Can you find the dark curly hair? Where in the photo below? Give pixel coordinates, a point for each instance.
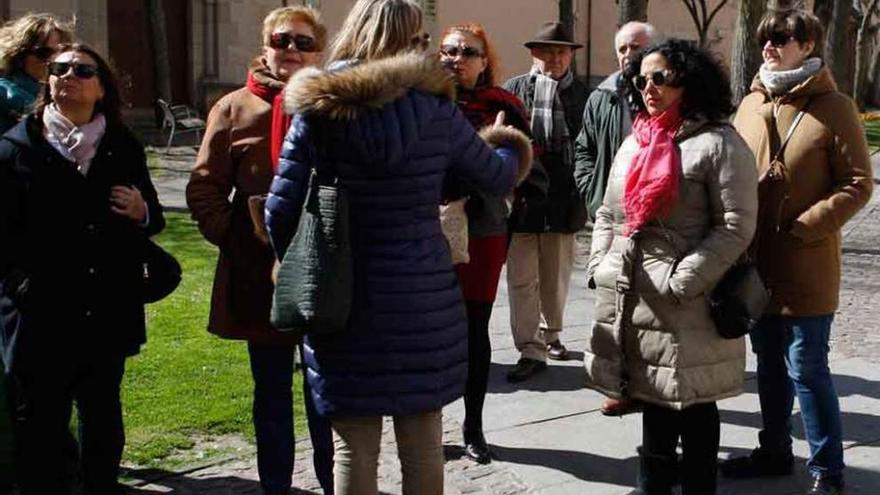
(706, 84)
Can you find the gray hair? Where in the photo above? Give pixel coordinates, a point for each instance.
(649, 30)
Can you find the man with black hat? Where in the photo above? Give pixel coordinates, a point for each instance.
(541, 251)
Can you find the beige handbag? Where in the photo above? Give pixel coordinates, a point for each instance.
(454, 223)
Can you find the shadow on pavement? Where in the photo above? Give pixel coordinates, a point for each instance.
(556, 378)
(582, 465)
(857, 427)
(157, 481)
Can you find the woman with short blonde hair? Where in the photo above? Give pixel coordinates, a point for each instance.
(26, 44)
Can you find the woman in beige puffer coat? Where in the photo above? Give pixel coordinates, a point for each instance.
(653, 339)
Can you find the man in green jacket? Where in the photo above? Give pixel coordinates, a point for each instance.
(606, 120)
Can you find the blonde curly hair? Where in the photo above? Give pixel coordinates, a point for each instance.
(19, 36)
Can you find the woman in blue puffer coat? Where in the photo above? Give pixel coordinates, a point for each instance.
(384, 119)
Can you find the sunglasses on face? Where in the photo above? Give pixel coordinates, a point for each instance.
(663, 77)
(82, 71)
(777, 38)
(283, 41)
(452, 51)
(421, 41)
(42, 52)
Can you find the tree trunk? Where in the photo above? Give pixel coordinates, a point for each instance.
(631, 10)
(837, 56)
(822, 9)
(745, 58)
(864, 46)
(159, 41)
(566, 17)
(873, 97)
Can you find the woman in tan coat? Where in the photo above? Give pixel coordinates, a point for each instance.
(821, 178)
(679, 210)
(238, 156)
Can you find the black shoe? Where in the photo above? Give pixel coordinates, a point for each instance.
(556, 351)
(758, 464)
(525, 368)
(476, 448)
(826, 485)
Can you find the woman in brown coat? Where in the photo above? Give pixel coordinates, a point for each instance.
(238, 156)
(808, 191)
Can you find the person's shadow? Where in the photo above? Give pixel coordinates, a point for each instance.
(168, 482)
(556, 379)
(582, 465)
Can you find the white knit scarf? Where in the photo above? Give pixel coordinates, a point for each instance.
(779, 82)
(77, 144)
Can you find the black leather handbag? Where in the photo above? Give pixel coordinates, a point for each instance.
(162, 272)
(313, 291)
(739, 300)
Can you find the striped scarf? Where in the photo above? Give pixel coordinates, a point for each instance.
(549, 127)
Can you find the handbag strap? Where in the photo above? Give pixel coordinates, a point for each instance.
(791, 128)
(627, 301)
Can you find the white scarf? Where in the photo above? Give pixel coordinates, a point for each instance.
(77, 144)
(779, 82)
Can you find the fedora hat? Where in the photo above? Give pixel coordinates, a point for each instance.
(552, 33)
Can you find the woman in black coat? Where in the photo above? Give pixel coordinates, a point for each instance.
(76, 208)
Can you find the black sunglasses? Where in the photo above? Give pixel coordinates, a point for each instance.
(82, 71)
(42, 52)
(283, 41)
(452, 51)
(777, 38)
(421, 41)
(663, 77)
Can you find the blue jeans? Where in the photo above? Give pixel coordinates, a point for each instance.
(793, 358)
(272, 370)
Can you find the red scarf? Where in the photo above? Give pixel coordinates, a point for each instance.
(262, 83)
(651, 189)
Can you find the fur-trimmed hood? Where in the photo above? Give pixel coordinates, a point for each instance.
(367, 86)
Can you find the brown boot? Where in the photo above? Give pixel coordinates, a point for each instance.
(620, 407)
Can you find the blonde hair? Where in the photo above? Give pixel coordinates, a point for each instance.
(285, 15)
(376, 29)
(19, 36)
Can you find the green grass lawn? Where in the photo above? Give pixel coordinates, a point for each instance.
(186, 385)
(872, 132)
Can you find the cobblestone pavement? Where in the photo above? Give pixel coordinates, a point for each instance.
(238, 475)
(856, 332)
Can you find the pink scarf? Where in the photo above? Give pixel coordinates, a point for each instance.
(651, 189)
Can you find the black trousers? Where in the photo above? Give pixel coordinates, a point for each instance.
(48, 458)
(699, 428)
(479, 360)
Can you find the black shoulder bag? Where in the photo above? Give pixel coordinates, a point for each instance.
(161, 272)
(740, 298)
(313, 290)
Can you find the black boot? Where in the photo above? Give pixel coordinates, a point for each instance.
(657, 474)
(476, 448)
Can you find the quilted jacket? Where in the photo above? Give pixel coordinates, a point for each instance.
(391, 131)
(671, 353)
